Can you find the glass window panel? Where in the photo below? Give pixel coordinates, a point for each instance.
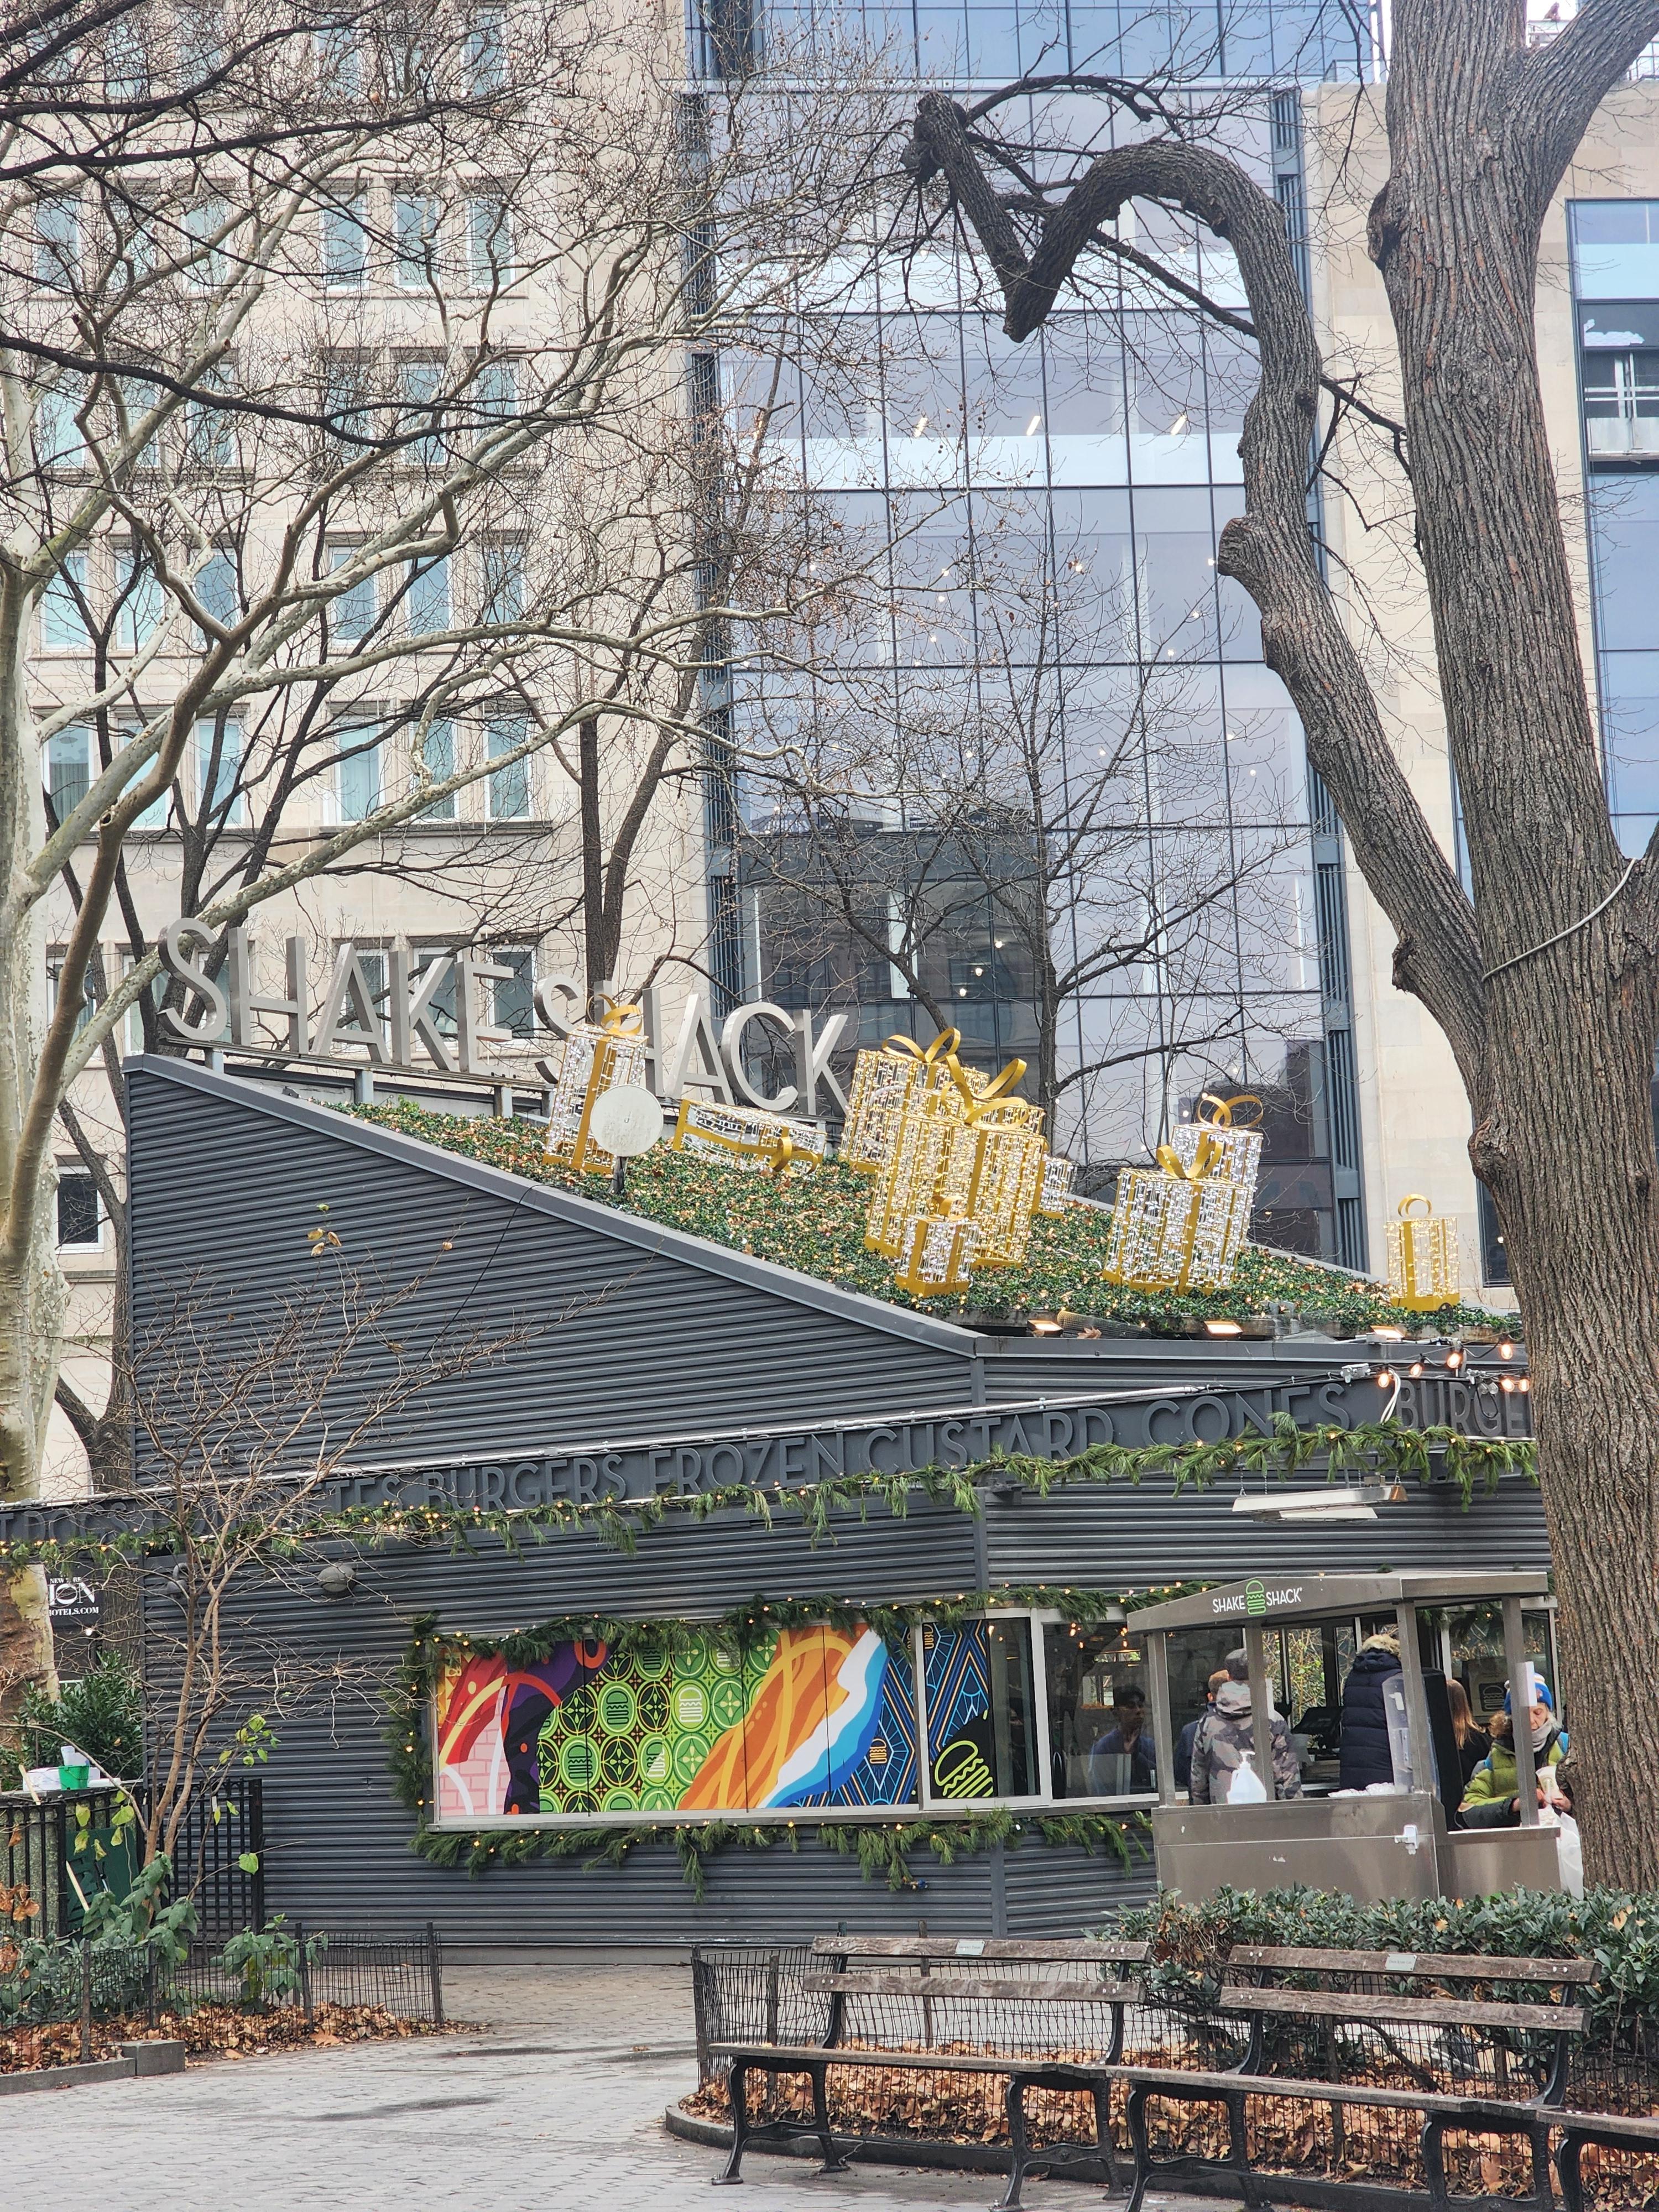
(414, 231)
(58, 443)
(514, 1008)
(486, 51)
(345, 245)
(63, 617)
(502, 575)
(508, 787)
(1100, 1728)
(1615, 249)
(216, 589)
(68, 768)
(438, 750)
(420, 382)
(57, 242)
(1630, 726)
(80, 1218)
(204, 223)
(490, 255)
(218, 766)
(1175, 551)
(140, 603)
(442, 1001)
(426, 603)
(351, 612)
(982, 1731)
(1624, 531)
(358, 774)
(993, 45)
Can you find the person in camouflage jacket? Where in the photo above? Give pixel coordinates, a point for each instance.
(1227, 1731)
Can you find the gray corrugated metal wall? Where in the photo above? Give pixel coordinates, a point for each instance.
(643, 1331)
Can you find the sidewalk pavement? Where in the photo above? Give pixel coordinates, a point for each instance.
(559, 2101)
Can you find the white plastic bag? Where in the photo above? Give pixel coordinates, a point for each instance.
(1248, 1787)
(1569, 1855)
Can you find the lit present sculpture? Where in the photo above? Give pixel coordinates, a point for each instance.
(597, 1054)
(748, 1137)
(884, 1078)
(1179, 1226)
(1423, 1264)
(1054, 1195)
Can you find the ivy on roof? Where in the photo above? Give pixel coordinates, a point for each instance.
(814, 1224)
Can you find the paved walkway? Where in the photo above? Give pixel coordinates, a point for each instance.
(559, 2102)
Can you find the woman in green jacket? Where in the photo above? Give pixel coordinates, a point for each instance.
(1490, 1800)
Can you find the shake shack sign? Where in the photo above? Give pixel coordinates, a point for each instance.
(434, 1013)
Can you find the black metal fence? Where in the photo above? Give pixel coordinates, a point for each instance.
(51, 1983)
(61, 1849)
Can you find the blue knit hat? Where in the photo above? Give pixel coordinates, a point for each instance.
(1542, 1689)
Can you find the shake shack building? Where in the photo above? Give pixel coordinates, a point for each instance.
(730, 1671)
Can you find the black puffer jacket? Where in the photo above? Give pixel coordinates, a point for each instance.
(1365, 1755)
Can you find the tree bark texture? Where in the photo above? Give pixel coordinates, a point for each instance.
(1555, 1047)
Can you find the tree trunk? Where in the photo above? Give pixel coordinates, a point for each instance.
(597, 954)
(29, 1350)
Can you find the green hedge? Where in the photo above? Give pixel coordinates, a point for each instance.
(1619, 1929)
(816, 1223)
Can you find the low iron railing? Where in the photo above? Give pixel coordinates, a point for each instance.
(39, 1839)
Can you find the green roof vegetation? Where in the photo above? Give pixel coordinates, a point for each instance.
(814, 1223)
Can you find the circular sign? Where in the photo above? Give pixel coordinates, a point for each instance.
(626, 1120)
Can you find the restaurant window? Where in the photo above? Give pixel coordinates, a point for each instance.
(1100, 1725)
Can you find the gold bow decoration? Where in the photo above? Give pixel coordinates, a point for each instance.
(1424, 1269)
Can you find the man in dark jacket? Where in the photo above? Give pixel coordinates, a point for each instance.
(1365, 1755)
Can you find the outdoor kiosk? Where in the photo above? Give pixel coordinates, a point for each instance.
(1371, 1846)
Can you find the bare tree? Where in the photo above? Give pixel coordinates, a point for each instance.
(344, 410)
(1545, 983)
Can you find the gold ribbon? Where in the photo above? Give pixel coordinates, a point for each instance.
(947, 1042)
(1223, 1116)
(623, 1019)
(1207, 1152)
(782, 1153)
(1415, 1198)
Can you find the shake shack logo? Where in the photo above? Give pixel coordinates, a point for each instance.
(1256, 1599)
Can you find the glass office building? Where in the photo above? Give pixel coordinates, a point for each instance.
(1053, 512)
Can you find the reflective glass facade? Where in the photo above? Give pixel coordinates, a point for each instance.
(1052, 513)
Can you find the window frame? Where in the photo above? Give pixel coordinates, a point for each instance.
(75, 1171)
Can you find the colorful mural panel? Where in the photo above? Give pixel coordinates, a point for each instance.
(961, 1736)
(813, 1717)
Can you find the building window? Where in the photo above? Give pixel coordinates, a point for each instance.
(515, 1010)
(359, 772)
(420, 386)
(57, 242)
(88, 1005)
(216, 591)
(139, 602)
(491, 263)
(438, 751)
(63, 606)
(502, 565)
(68, 769)
(415, 230)
(80, 1217)
(58, 443)
(218, 772)
(426, 602)
(203, 224)
(345, 245)
(486, 51)
(352, 610)
(510, 787)
(685, 1732)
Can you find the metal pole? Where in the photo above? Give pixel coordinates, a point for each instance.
(1515, 1659)
(1417, 1702)
(1256, 1651)
(1158, 1685)
(304, 1965)
(434, 1961)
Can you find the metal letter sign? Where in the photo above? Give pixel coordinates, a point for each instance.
(222, 1005)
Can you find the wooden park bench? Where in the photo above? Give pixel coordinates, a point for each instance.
(1473, 2065)
(930, 2005)
(1608, 2131)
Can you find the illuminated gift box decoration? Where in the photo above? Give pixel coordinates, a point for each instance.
(596, 1055)
(1054, 1191)
(884, 1080)
(938, 1257)
(1178, 1226)
(1004, 1178)
(1423, 1264)
(1234, 1146)
(748, 1137)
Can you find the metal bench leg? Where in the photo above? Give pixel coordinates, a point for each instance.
(1019, 2145)
(1103, 2134)
(1538, 2142)
(1142, 2147)
(832, 2162)
(1238, 2145)
(1566, 2164)
(1432, 2144)
(737, 2089)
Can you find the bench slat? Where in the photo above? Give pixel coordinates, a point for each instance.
(999, 1948)
(1329, 2093)
(1629, 2127)
(930, 2062)
(1437, 2011)
(959, 1985)
(1444, 1965)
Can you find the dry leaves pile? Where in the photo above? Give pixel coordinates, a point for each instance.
(209, 2031)
(1286, 2135)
